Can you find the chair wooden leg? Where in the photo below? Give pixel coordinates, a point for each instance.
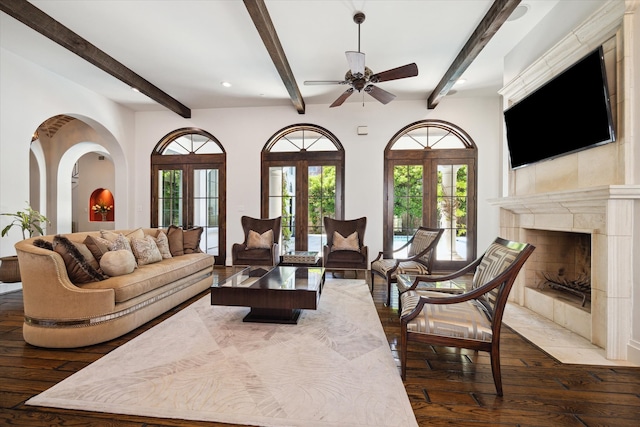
(495, 370)
(388, 304)
(403, 352)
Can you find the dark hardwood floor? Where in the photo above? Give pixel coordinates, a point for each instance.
(446, 386)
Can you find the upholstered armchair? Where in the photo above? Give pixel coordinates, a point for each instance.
(261, 242)
(345, 247)
(470, 320)
(420, 250)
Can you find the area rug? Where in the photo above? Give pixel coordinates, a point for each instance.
(334, 368)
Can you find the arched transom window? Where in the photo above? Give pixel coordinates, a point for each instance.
(302, 181)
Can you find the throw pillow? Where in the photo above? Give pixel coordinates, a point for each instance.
(145, 250)
(349, 243)
(260, 241)
(118, 263)
(121, 243)
(82, 267)
(163, 244)
(191, 240)
(41, 243)
(97, 245)
(111, 236)
(174, 235)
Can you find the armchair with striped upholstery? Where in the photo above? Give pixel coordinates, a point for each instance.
(421, 248)
(470, 320)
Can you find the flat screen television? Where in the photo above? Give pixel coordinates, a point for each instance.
(569, 113)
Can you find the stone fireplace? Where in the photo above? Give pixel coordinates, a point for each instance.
(588, 201)
(601, 218)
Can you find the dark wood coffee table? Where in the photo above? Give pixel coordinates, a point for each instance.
(274, 294)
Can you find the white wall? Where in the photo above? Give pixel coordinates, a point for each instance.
(30, 95)
(244, 131)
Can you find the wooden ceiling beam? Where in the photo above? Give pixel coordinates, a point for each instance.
(262, 21)
(490, 24)
(39, 21)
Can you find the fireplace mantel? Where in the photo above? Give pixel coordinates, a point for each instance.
(581, 200)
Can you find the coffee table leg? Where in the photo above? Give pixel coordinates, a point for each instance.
(273, 315)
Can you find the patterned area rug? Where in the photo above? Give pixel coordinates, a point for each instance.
(334, 368)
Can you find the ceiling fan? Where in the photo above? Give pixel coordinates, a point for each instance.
(360, 77)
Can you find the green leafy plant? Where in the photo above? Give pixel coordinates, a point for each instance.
(28, 221)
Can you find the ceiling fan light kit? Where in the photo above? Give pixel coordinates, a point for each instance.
(360, 77)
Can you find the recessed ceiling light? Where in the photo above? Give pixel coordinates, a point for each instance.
(135, 89)
(518, 12)
(225, 84)
(460, 82)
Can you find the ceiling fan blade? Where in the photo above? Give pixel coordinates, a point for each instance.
(338, 102)
(409, 70)
(324, 82)
(380, 94)
(356, 63)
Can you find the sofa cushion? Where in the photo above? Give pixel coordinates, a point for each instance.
(254, 257)
(97, 245)
(191, 240)
(153, 276)
(117, 263)
(81, 265)
(111, 236)
(44, 244)
(176, 239)
(256, 240)
(121, 243)
(145, 250)
(162, 241)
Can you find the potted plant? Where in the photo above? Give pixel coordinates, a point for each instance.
(29, 221)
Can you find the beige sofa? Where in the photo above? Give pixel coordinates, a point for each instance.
(61, 314)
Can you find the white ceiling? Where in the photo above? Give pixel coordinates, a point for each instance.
(187, 48)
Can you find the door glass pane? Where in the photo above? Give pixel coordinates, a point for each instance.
(170, 198)
(282, 202)
(452, 212)
(322, 202)
(407, 203)
(206, 208)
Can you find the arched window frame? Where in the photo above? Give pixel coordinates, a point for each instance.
(303, 156)
(429, 156)
(201, 150)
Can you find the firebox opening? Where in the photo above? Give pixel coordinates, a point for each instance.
(562, 266)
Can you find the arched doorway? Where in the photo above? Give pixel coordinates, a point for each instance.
(59, 188)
